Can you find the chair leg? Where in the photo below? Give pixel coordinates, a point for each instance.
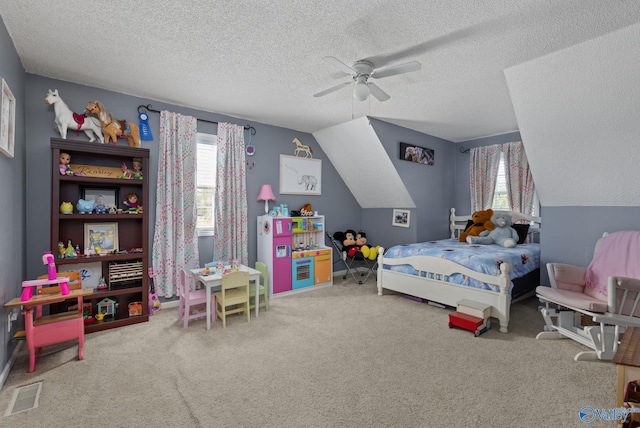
(185, 316)
(180, 309)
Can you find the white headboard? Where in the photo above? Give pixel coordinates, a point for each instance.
(458, 223)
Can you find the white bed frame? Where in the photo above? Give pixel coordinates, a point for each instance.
(432, 287)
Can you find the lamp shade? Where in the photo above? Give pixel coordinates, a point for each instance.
(266, 195)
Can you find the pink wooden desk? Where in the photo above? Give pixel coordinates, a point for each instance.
(47, 330)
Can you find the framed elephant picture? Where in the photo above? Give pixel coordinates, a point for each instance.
(300, 176)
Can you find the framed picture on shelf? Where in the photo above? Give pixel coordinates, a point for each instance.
(108, 197)
(401, 218)
(7, 120)
(102, 238)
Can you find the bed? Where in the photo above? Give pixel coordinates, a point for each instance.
(448, 271)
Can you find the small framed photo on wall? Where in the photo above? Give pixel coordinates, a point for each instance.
(401, 218)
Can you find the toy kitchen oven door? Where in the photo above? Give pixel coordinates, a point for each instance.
(302, 272)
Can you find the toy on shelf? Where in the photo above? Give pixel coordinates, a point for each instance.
(65, 160)
(66, 208)
(66, 119)
(29, 286)
(70, 252)
(107, 306)
(132, 203)
(113, 128)
(135, 172)
(102, 284)
(100, 205)
(85, 207)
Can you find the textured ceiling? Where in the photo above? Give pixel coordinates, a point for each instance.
(263, 60)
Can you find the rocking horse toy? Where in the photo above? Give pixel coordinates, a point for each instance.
(66, 119)
(113, 128)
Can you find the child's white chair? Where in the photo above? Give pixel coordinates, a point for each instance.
(193, 303)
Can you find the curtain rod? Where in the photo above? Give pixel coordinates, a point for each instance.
(149, 108)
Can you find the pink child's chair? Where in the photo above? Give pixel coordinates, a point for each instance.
(192, 302)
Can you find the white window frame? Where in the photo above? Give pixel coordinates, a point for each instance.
(202, 141)
(502, 179)
(501, 187)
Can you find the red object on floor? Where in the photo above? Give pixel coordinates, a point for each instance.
(467, 322)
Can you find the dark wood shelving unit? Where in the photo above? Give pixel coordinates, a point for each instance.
(133, 229)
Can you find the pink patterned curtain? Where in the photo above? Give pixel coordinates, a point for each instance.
(520, 185)
(175, 241)
(231, 234)
(483, 174)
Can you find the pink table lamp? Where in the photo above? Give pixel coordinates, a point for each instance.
(266, 195)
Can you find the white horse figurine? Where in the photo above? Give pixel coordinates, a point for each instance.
(66, 119)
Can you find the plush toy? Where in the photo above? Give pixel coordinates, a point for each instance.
(480, 221)
(503, 234)
(368, 251)
(349, 242)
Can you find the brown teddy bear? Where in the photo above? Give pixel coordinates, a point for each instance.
(480, 221)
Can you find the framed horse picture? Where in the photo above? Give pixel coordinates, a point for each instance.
(300, 176)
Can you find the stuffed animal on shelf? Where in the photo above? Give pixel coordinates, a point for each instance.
(368, 251)
(480, 221)
(502, 234)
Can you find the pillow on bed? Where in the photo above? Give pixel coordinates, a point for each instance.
(523, 230)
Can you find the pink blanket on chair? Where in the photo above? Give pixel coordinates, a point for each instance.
(618, 254)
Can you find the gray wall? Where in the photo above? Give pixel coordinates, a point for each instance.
(430, 187)
(335, 203)
(12, 191)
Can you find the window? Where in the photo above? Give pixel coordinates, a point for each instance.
(206, 183)
(500, 193)
(500, 196)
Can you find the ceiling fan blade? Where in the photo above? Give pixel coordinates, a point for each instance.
(332, 89)
(377, 92)
(340, 65)
(396, 69)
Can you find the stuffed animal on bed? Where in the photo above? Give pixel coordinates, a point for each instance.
(368, 251)
(480, 221)
(503, 234)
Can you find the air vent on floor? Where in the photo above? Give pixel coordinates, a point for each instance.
(24, 398)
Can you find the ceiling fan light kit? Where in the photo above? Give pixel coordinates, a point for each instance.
(361, 89)
(361, 71)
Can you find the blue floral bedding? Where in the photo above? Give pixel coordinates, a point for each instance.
(522, 259)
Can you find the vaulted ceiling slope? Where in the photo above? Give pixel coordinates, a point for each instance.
(378, 185)
(578, 115)
(263, 60)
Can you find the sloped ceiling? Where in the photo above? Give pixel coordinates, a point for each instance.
(376, 186)
(579, 116)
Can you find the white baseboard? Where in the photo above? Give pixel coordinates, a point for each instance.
(7, 368)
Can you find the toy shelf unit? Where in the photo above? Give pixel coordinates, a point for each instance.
(293, 250)
(100, 234)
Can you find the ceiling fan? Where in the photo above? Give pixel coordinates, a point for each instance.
(363, 70)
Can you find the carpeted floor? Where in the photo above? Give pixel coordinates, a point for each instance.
(340, 356)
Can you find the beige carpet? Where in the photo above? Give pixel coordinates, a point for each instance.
(334, 357)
